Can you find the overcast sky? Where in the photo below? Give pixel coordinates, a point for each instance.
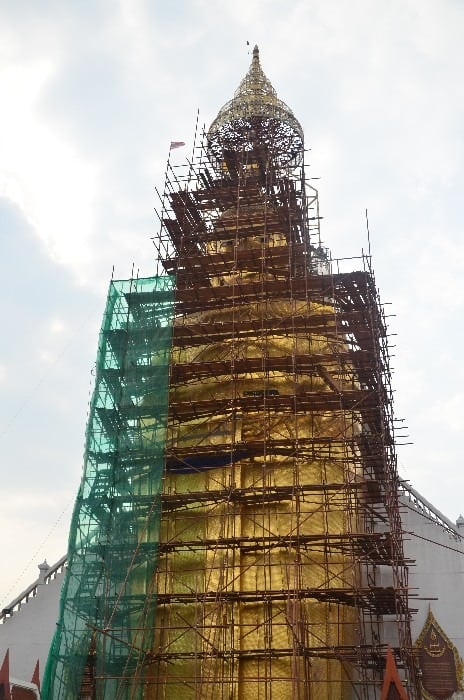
(91, 95)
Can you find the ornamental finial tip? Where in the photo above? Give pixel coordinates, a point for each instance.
(256, 107)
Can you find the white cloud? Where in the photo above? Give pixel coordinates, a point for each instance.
(42, 173)
(57, 326)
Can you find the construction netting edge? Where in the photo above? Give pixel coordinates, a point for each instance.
(108, 604)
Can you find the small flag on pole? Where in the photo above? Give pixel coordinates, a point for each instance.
(176, 144)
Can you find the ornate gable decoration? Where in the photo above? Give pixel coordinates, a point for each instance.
(439, 661)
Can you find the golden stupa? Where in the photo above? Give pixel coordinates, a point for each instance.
(253, 578)
(237, 535)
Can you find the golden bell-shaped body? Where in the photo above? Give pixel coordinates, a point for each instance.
(252, 585)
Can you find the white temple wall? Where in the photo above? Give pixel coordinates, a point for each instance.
(438, 571)
(27, 633)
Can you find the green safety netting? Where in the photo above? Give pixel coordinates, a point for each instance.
(107, 604)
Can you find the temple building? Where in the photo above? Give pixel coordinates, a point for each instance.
(241, 530)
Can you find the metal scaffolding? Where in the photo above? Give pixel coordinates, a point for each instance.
(282, 549)
(278, 554)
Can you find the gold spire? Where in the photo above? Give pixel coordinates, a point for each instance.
(255, 90)
(255, 100)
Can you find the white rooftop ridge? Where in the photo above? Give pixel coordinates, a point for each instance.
(45, 577)
(423, 506)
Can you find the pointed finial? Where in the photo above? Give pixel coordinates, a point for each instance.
(255, 101)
